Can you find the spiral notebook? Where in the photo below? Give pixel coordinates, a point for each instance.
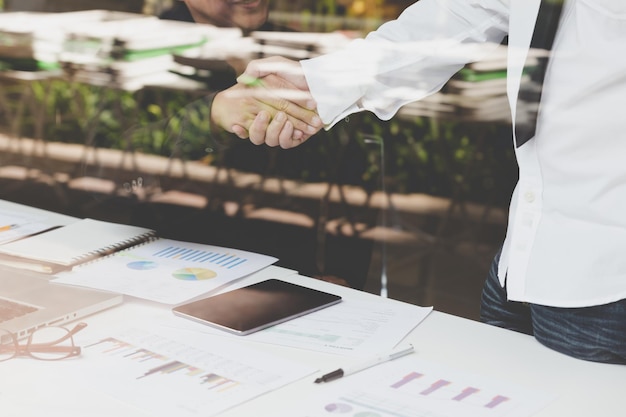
(70, 245)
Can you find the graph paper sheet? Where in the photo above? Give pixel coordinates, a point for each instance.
(409, 387)
(181, 373)
(167, 271)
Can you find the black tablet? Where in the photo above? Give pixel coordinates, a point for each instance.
(257, 306)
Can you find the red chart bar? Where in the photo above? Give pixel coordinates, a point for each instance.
(497, 400)
(408, 378)
(465, 393)
(435, 386)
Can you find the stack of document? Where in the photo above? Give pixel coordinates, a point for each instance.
(299, 45)
(230, 52)
(127, 53)
(34, 40)
(476, 93)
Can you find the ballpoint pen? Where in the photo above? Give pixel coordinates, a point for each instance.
(348, 370)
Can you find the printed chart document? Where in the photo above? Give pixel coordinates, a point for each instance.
(77, 242)
(410, 387)
(174, 374)
(15, 225)
(352, 327)
(166, 271)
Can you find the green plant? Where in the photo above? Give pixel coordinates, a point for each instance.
(422, 155)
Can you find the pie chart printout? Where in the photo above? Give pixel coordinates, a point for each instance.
(194, 274)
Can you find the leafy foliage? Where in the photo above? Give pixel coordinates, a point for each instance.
(421, 155)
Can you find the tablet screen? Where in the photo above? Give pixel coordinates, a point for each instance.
(257, 306)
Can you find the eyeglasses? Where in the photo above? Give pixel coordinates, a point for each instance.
(49, 343)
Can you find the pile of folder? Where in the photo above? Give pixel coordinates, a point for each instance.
(31, 41)
(475, 93)
(230, 52)
(299, 45)
(98, 47)
(127, 53)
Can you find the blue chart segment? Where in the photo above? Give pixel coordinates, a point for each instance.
(223, 259)
(142, 265)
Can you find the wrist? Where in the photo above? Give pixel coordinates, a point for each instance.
(216, 119)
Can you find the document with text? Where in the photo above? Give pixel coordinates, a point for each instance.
(167, 271)
(15, 225)
(352, 327)
(179, 374)
(411, 387)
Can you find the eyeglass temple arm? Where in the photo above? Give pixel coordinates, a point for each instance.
(46, 348)
(51, 346)
(68, 335)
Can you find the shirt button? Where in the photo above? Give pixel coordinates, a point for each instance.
(529, 196)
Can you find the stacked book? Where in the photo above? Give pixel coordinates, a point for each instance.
(476, 93)
(299, 45)
(31, 41)
(128, 53)
(231, 51)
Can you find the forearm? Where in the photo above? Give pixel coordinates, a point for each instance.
(406, 59)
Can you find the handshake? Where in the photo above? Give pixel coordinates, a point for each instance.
(270, 104)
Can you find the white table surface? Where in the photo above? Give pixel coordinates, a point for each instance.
(581, 389)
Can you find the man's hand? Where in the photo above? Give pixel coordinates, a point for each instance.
(275, 111)
(287, 69)
(278, 129)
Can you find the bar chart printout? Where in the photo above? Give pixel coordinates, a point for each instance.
(168, 378)
(167, 271)
(409, 387)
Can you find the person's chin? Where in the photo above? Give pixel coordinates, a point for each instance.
(251, 21)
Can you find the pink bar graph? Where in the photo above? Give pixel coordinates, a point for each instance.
(435, 386)
(465, 393)
(407, 378)
(497, 400)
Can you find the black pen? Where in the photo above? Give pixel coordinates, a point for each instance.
(345, 371)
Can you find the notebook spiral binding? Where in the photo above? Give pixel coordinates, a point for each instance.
(110, 250)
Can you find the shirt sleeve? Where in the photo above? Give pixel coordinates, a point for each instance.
(406, 59)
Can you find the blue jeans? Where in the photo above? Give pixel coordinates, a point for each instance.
(596, 333)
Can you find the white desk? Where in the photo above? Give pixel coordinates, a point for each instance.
(582, 389)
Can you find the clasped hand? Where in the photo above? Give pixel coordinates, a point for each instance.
(270, 104)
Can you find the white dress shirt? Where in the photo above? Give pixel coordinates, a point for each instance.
(566, 237)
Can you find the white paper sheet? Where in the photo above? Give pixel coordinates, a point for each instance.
(180, 374)
(78, 242)
(167, 271)
(352, 327)
(410, 387)
(14, 225)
